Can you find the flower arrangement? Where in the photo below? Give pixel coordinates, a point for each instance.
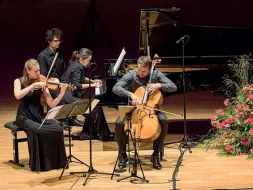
(234, 123)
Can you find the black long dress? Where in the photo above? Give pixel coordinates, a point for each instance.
(46, 145)
(75, 75)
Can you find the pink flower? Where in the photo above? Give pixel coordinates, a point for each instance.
(241, 114)
(249, 120)
(213, 121)
(251, 131)
(246, 90)
(227, 102)
(225, 123)
(251, 150)
(251, 114)
(232, 119)
(229, 148)
(243, 107)
(244, 141)
(219, 112)
(250, 97)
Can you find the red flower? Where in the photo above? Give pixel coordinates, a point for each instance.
(250, 97)
(251, 114)
(232, 119)
(244, 141)
(229, 148)
(219, 112)
(225, 123)
(242, 107)
(251, 131)
(249, 120)
(246, 90)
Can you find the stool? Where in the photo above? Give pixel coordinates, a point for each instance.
(14, 130)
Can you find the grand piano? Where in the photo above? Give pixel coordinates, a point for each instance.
(206, 53)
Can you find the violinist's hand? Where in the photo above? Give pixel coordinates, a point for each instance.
(39, 85)
(135, 99)
(63, 88)
(73, 87)
(97, 83)
(153, 87)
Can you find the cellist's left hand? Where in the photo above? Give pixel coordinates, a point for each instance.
(153, 87)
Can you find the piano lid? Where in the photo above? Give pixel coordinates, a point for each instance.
(153, 18)
(164, 29)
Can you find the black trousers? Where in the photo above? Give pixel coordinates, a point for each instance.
(121, 136)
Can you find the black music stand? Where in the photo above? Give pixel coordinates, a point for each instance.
(126, 116)
(66, 112)
(91, 170)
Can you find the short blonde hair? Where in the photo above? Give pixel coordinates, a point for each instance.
(144, 61)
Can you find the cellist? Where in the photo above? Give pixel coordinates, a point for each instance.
(126, 87)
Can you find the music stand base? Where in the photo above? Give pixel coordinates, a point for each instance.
(69, 160)
(132, 180)
(89, 172)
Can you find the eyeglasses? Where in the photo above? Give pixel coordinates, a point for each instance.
(56, 40)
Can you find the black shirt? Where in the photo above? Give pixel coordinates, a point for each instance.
(45, 59)
(74, 75)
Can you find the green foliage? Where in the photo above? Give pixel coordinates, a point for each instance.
(234, 122)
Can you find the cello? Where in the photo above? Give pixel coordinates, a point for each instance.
(145, 123)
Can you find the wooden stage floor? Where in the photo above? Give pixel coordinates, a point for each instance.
(201, 170)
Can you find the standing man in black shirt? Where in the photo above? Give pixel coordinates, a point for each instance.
(45, 58)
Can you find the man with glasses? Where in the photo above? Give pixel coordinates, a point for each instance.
(45, 58)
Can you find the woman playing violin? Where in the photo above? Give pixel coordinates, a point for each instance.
(126, 87)
(46, 145)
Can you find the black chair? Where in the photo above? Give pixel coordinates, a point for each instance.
(14, 131)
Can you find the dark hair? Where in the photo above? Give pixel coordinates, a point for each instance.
(144, 61)
(82, 53)
(54, 32)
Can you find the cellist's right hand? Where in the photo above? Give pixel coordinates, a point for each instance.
(135, 99)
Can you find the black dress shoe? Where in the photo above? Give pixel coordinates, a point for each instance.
(75, 122)
(156, 162)
(122, 161)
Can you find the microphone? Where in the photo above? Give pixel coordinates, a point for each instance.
(177, 42)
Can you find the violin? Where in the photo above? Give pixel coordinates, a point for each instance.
(146, 126)
(53, 83)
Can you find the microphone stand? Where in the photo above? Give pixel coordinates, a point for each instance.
(185, 141)
(91, 170)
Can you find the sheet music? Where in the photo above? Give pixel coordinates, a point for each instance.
(118, 62)
(53, 112)
(93, 105)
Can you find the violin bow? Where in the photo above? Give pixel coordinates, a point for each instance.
(178, 115)
(55, 57)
